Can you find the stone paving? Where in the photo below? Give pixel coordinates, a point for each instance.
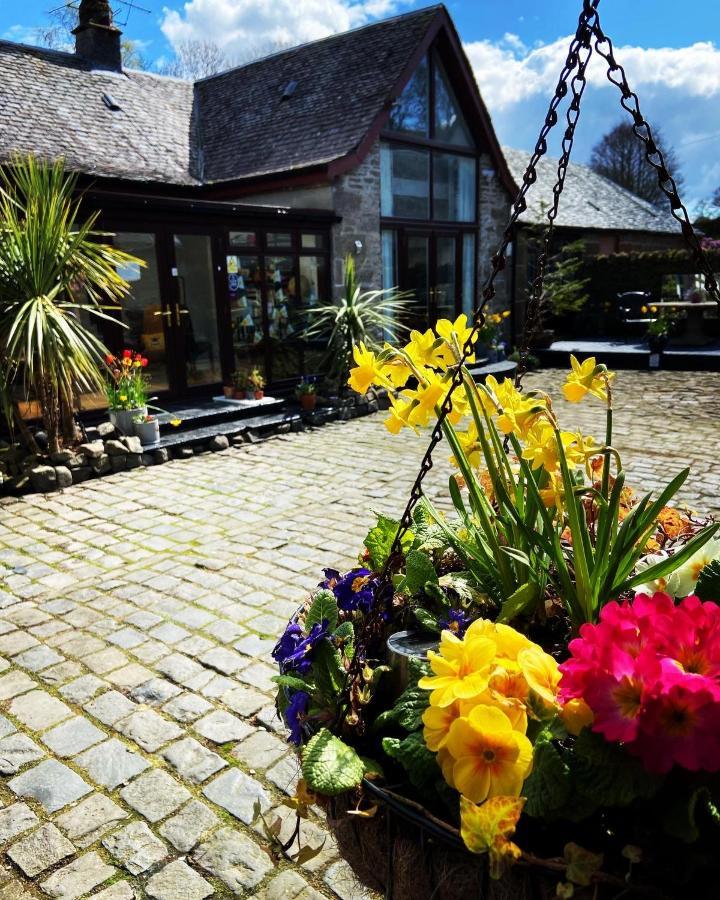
(137, 613)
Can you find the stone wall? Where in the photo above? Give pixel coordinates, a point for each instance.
(356, 197)
(493, 211)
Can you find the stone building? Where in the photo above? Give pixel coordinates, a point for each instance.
(244, 191)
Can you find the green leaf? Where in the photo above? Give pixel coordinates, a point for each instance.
(328, 672)
(608, 776)
(549, 786)
(410, 705)
(322, 608)
(329, 766)
(581, 864)
(708, 585)
(419, 570)
(427, 620)
(521, 601)
(380, 539)
(373, 769)
(292, 681)
(412, 754)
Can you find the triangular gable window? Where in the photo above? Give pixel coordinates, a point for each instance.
(450, 127)
(410, 112)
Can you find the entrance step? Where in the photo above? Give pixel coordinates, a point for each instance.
(199, 436)
(214, 413)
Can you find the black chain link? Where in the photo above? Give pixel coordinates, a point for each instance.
(653, 154)
(580, 42)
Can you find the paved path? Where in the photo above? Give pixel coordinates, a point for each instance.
(137, 613)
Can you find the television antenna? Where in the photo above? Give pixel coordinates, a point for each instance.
(124, 8)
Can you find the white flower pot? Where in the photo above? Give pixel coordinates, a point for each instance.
(122, 419)
(148, 432)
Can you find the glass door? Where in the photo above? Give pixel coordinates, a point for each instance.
(431, 268)
(194, 318)
(444, 292)
(145, 314)
(417, 279)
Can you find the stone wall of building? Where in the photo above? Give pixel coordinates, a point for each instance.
(356, 198)
(493, 211)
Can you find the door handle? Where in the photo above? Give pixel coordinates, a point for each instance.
(180, 312)
(164, 312)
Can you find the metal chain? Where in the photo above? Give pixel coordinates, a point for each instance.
(573, 61)
(653, 154)
(533, 314)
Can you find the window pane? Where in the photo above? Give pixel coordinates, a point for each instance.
(450, 125)
(243, 239)
(313, 242)
(468, 276)
(404, 182)
(197, 312)
(279, 239)
(445, 287)
(418, 281)
(453, 187)
(142, 309)
(389, 259)
(244, 280)
(312, 280)
(409, 113)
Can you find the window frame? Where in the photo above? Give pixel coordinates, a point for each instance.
(429, 143)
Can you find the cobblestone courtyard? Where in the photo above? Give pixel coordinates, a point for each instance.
(137, 614)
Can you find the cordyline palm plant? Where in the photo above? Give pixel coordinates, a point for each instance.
(52, 268)
(368, 317)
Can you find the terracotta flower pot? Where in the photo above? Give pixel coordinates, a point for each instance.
(259, 395)
(229, 391)
(308, 401)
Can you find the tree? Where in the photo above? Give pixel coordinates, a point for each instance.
(195, 59)
(55, 274)
(620, 156)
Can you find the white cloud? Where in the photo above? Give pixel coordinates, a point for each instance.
(233, 26)
(679, 91)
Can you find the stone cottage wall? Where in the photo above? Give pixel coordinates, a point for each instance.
(493, 211)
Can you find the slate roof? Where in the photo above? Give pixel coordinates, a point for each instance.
(229, 126)
(343, 82)
(51, 104)
(588, 201)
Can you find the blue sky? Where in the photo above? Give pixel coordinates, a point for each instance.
(516, 51)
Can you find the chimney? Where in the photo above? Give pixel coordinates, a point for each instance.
(97, 40)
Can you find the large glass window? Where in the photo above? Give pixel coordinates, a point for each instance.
(468, 275)
(449, 123)
(409, 113)
(197, 314)
(389, 260)
(405, 182)
(453, 187)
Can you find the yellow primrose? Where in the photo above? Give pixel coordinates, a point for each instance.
(541, 673)
(491, 758)
(586, 378)
(461, 669)
(455, 335)
(366, 371)
(398, 415)
(425, 350)
(437, 721)
(576, 715)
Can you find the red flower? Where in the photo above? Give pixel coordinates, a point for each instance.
(127, 354)
(109, 359)
(143, 362)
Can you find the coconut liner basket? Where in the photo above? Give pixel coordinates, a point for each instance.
(399, 847)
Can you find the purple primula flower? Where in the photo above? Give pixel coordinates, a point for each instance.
(298, 706)
(456, 621)
(355, 590)
(294, 651)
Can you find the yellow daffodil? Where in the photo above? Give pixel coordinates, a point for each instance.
(398, 415)
(426, 351)
(541, 673)
(460, 406)
(586, 378)
(541, 447)
(461, 669)
(395, 369)
(471, 446)
(491, 758)
(553, 494)
(455, 335)
(517, 412)
(366, 372)
(427, 397)
(576, 715)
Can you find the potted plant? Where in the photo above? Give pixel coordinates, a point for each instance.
(239, 378)
(229, 390)
(256, 385)
(126, 389)
(147, 428)
(658, 330)
(306, 394)
(568, 718)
